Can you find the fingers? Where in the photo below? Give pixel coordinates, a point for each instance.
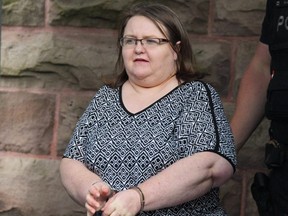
(97, 197)
(105, 191)
(94, 201)
(101, 190)
(90, 209)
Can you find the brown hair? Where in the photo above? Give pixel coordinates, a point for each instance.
(161, 15)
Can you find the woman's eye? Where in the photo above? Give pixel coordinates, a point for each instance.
(151, 41)
(129, 41)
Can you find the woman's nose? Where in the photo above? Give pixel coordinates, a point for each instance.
(139, 47)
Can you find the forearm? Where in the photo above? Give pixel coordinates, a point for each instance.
(185, 180)
(77, 179)
(251, 99)
(249, 111)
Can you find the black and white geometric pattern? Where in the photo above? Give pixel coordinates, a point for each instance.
(125, 149)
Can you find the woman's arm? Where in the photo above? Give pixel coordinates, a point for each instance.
(78, 180)
(185, 180)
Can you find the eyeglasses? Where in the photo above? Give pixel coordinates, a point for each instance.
(146, 42)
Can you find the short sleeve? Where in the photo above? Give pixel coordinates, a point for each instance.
(226, 146)
(266, 31)
(203, 125)
(79, 142)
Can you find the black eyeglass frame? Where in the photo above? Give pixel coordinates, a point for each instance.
(160, 41)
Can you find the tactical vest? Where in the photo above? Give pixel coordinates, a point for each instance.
(277, 94)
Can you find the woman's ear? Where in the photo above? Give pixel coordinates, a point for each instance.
(178, 46)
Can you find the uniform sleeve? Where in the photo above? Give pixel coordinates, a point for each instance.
(265, 32)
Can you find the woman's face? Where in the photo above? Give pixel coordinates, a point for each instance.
(147, 66)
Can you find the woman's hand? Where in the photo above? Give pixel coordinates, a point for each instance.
(97, 196)
(124, 203)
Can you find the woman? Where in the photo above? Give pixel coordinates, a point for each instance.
(157, 142)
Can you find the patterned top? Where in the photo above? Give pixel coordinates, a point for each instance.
(125, 149)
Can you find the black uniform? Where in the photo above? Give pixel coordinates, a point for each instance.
(274, 201)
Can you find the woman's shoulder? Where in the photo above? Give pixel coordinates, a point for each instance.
(198, 85)
(106, 90)
(103, 94)
(198, 90)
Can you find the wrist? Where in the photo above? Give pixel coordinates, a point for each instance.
(141, 196)
(96, 182)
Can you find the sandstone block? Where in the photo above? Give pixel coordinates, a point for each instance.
(60, 60)
(32, 187)
(18, 12)
(239, 17)
(26, 122)
(213, 58)
(72, 108)
(106, 14)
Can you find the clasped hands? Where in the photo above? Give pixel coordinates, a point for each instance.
(101, 197)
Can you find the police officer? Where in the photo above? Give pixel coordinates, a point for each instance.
(264, 91)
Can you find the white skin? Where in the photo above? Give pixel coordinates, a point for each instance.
(251, 99)
(151, 73)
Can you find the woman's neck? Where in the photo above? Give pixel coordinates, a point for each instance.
(136, 97)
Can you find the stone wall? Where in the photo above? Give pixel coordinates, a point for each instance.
(55, 54)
